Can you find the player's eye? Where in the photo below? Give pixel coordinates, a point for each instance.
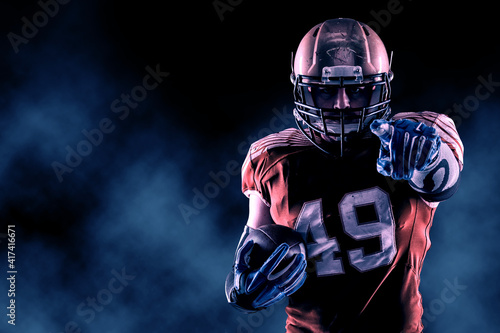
(354, 90)
(326, 91)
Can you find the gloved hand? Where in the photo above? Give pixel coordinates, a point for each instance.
(405, 146)
(255, 289)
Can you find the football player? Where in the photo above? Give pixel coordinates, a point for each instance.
(360, 186)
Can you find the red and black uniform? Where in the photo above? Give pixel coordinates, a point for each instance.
(366, 234)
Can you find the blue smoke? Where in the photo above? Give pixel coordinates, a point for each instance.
(103, 247)
(464, 237)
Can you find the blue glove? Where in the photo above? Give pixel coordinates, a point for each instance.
(405, 146)
(267, 286)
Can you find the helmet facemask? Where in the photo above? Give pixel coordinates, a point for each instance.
(369, 98)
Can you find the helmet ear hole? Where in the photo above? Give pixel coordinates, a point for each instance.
(292, 74)
(315, 33)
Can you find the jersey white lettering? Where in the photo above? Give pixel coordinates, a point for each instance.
(383, 227)
(311, 225)
(310, 222)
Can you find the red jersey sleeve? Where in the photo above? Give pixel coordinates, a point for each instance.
(261, 157)
(250, 178)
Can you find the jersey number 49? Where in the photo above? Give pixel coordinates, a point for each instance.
(310, 222)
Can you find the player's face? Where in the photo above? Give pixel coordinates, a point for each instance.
(344, 98)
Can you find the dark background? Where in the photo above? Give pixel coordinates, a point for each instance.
(156, 199)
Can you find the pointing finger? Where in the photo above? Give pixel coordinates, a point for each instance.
(382, 129)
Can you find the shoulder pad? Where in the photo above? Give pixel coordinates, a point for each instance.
(290, 137)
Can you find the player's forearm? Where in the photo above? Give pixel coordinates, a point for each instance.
(440, 179)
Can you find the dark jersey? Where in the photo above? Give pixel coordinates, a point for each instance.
(366, 234)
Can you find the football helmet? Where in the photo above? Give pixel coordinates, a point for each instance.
(341, 76)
